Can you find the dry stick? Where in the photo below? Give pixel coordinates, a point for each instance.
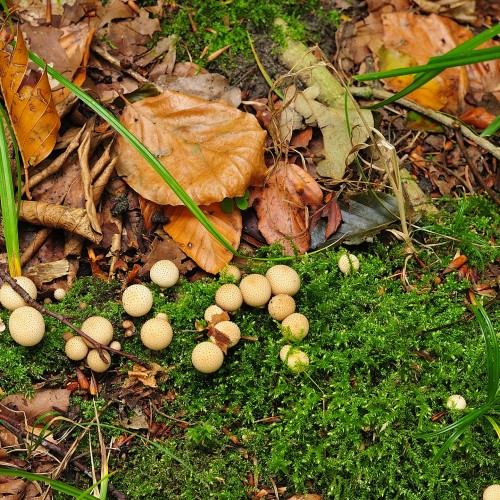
(56, 449)
(35, 245)
(472, 166)
(33, 303)
(368, 92)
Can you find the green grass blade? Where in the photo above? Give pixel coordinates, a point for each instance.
(492, 127)
(142, 150)
(56, 485)
(449, 442)
(494, 424)
(8, 201)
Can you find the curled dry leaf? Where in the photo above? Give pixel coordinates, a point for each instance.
(13, 489)
(196, 242)
(213, 150)
(29, 102)
(281, 207)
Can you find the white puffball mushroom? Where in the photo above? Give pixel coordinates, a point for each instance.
(295, 327)
(229, 297)
(281, 306)
(76, 348)
(255, 289)
(59, 293)
(298, 361)
(207, 357)
(456, 402)
(26, 326)
(348, 263)
(95, 362)
(231, 270)
(212, 311)
(231, 329)
(10, 299)
(137, 300)
(156, 334)
(98, 328)
(164, 273)
(492, 492)
(162, 316)
(283, 280)
(284, 351)
(115, 345)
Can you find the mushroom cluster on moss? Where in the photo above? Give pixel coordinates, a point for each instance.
(10, 299)
(156, 333)
(137, 300)
(26, 326)
(207, 357)
(164, 273)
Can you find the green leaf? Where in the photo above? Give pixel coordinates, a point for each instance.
(227, 205)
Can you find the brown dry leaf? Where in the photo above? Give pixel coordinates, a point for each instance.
(213, 150)
(460, 10)
(307, 496)
(145, 376)
(29, 102)
(75, 220)
(281, 207)
(219, 338)
(196, 242)
(13, 489)
(43, 402)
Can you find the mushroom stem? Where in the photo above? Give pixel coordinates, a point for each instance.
(33, 303)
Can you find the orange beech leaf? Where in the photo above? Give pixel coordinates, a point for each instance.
(29, 102)
(196, 241)
(213, 150)
(281, 207)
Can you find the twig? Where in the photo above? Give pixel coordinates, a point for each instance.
(445, 120)
(33, 303)
(472, 166)
(56, 449)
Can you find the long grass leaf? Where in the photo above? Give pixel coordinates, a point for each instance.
(492, 127)
(494, 424)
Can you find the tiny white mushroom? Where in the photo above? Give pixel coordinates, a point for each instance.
(164, 273)
(284, 351)
(283, 279)
(162, 316)
(231, 329)
(59, 293)
(281, 306)
(95, 362)
(229, 297)
(295, 327)
(10, 299)
(298, 361)
(207, 357)
(156, 334)
(76, 348)
(98, 328)
(456, 402)
(137, 300)
(212, 311)
(26, 326)
(348, 263)
(231, 270)
(256, 290)
(492, 492)
(116, 345)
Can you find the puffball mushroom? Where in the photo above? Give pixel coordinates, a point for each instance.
(115, 345)
(281, 306)
(284, 351)
(212, 311)
(76, 348)
(10, 299)
(283, 279)
(232, 330)
(492, 492)
(98, 328)
(95, 362)
(156, 334)
(231, 270)
(59, 293)
(255, 290)
(164, 273)
(298, 361)
(207, 357)
(229, 297)
(295, 327)
(26, 326)
(348, 263)
(456, 402)
(137, 300)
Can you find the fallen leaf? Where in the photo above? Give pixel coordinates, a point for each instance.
(478, 117)
(13, 489)
(196, 242)
(281, 207)
(145, 376)
(29, 102)
(213, 150)
(219, 338)
(455, 264)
